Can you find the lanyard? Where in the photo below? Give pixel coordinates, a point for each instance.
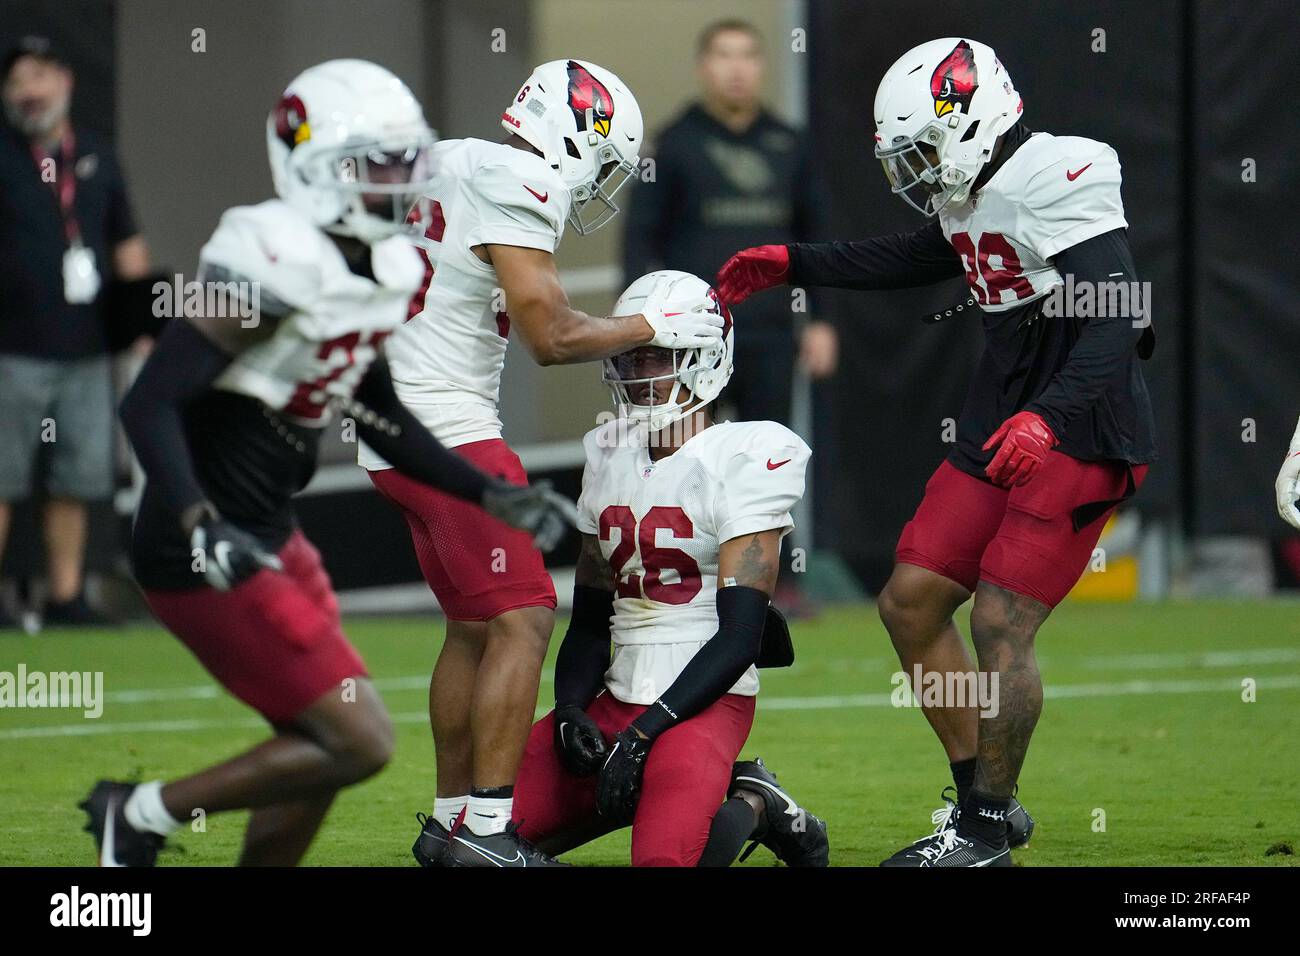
(64, 186)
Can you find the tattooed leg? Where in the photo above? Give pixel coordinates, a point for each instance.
(916, 607)
(1003, 625)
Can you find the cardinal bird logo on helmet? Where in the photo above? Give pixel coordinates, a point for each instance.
(954, 81)
(588, 93)
(291, 121)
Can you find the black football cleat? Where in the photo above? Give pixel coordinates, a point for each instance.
(796, 836)
(947, 849)
(1020, 825)
(120, 844)
(945, 818)
(430, 848)
(503, 849)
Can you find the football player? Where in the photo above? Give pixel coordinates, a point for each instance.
(497, 212)
(682, 521)
(226, 418)
(1288, 483)
(1057, 427)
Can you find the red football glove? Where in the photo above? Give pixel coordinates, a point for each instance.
(1025, 441)
(752, 270)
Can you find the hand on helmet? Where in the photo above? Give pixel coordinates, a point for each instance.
(752, 270)
(683, 323)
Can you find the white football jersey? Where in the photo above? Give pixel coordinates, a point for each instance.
(1052, 193)
(661, 525)
(335, 321)
(447, 359)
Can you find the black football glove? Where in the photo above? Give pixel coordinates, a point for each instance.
(227, 554)
(619, 786)
(578, 741)
(543, 513)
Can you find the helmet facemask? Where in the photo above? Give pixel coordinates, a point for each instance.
(652, 386)
(374, 185)
(916, 172)
(593, 203)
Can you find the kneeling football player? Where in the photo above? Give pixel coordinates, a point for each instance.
(226, 418)
(682, 520)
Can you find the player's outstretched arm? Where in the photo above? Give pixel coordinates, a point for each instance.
(558, 334)
(582, 661)
(397, 435)
(899, 261)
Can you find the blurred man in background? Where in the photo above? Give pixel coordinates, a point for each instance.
(66, 228)
(728, 171)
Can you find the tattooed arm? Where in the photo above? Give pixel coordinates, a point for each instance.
(747, 569)
(751, 561)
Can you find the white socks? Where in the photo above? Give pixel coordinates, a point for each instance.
(447, 809)
(145, 811)
(487, 815)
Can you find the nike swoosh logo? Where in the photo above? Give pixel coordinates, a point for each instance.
(1072, 176)
(496, 858)
(791, 808)
(106, 855)
(774, 467)
(541, 197)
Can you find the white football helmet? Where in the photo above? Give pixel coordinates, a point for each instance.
(350, 148)
(701, 372)
(587, 125)
(939, 111)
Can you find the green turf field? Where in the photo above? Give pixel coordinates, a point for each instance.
(1144, 721)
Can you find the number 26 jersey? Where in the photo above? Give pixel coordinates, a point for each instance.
(661, 525)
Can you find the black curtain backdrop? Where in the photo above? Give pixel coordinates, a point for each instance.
(1245, 280)
(1182, 109)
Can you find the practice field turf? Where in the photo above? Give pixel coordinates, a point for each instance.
(1144, 724)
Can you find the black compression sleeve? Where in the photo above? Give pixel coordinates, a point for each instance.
(717, 665)
(183, 366)
(1105, 343)
(395, 434)
(583, 658)
(884, 262)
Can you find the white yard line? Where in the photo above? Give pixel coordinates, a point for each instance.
(1057, 692)
(1190, 659)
